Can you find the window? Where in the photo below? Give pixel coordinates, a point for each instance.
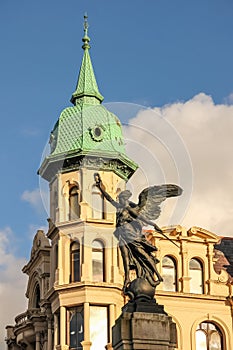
(98, 204)
(56, 276)
(98, 327)
(97, 261)
(169, 274)
(196, 275)
(74, 206)
(36, 303)
(208, 337)
(56, 256)
(76, 327)
(75, 261)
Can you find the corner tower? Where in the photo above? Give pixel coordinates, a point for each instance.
(85, 273)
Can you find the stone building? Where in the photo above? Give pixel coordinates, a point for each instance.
(75, 270)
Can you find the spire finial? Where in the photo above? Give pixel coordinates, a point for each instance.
(85, 24)
(86, 38)
(86, 89)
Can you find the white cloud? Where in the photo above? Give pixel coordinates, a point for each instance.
(12, 283)
(34, 197)
(229, 99)
(165, 139)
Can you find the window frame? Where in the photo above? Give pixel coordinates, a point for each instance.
(208, 332)
(68, 320)
(95, 191)
(201, 263)
(73, 215)
(175, 279)
(102, 251)
(73, 261)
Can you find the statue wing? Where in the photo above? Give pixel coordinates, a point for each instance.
(151, 198)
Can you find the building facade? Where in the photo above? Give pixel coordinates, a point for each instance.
(75, 271)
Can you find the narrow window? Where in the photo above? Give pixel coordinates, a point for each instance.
(97, 261)
(196, 275)
(209, 337)
(75, 261)
(169, 274)
(98, 204)
(74, 203)
(98, 327)
(36, 303)
(56, 262)
(56, 256)
(76, 325)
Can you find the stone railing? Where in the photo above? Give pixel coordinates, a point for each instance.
(25, 317)
(22, 318)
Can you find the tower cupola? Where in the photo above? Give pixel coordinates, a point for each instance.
(87, 134)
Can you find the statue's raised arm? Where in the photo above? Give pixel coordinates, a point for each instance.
(99, 184)
(137, 252)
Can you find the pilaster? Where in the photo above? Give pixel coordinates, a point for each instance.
(185, 279)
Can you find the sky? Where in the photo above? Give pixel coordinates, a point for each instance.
(164, 66)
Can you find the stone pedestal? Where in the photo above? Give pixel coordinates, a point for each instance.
(144, 324)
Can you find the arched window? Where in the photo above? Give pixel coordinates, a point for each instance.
(169, 274)
(98, 204)
(196, 275)
(209, 337)
(75, 261)
(97, 261)
(36, 302)
(74, 206)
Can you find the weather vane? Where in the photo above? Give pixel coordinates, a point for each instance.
(85, 25)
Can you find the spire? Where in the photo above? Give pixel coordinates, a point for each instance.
(87, 88)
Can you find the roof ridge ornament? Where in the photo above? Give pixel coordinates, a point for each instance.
(86, 92)
(86, 38)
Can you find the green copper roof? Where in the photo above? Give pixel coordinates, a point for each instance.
(87, 133)
(86, 86)
(90, 129)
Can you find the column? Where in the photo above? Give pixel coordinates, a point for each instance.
(209, 269)
(63, 329)
(50, 342)
(115, 276)
(112, 318)
(37, 340)
(185, 279)
(56, 331)
(86, 344)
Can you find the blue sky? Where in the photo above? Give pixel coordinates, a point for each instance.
(174, 56)
(147, 52)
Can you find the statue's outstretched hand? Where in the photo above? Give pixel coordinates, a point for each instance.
(97, 179)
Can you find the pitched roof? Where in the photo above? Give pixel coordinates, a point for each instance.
(226, 246)
(87, 88)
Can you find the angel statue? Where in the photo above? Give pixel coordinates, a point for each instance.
(136, 250)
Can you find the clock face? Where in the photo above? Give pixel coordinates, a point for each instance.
(97, 133)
